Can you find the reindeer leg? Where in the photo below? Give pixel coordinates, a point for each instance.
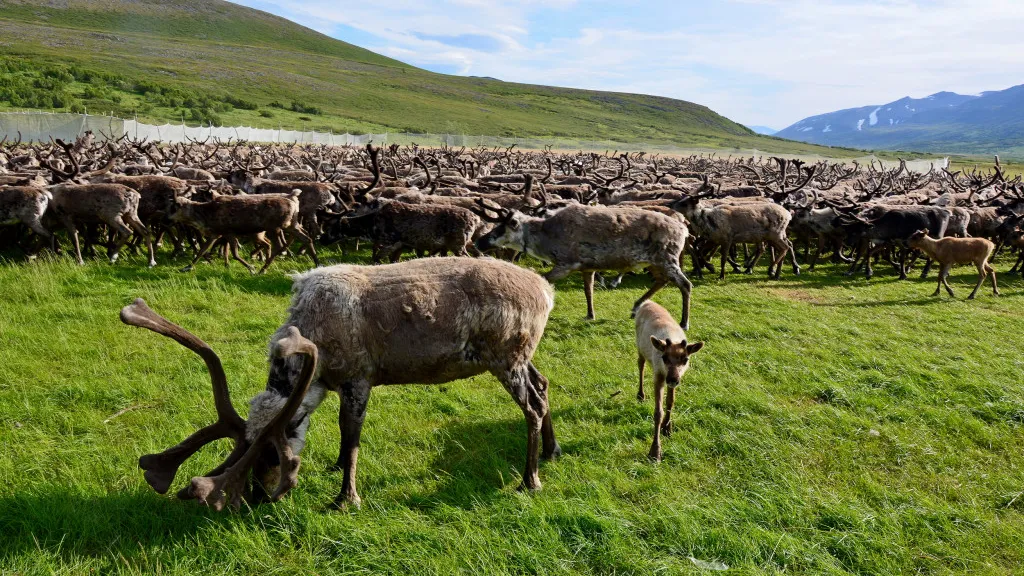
(725, 256)
(206, 248)
(122, 234)
(659, 413)
(234, 254)
(588, 291)
(550, 448)
(982, 275)
(659, 282)
(533, 401)
(143, 232)
(817, 252)
(666, 424)
(945, 282)
(640, 363)
(73, 232)
(354, 397)
(792, 254)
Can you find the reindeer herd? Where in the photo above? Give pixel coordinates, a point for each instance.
(432, 320)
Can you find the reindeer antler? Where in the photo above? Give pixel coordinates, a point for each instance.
(231, 476)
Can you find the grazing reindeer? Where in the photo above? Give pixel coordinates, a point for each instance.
(426, 321)
(662, 343)
(950, 251)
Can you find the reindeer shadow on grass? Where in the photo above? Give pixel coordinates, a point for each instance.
(123, 524)
(478, 461)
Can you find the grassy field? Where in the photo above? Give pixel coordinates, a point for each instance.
(830, 426)
(188, 59)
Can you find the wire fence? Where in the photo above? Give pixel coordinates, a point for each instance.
(42, 126)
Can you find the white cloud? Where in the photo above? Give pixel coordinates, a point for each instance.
(767, 62)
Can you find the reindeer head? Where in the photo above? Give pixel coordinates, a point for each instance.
(676, 357)
(916, 238)
(271, 414)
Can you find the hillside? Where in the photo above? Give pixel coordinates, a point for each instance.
(212, 61)
(992, 122)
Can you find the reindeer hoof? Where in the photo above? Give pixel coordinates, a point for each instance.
(654, 456)
(530, 487)
(666, 428)
(640, 397)
(554, 454)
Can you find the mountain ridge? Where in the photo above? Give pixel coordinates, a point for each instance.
(989, 122)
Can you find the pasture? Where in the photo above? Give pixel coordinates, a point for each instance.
(832, 425)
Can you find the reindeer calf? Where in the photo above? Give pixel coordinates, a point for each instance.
(661, 342)
(950, 251)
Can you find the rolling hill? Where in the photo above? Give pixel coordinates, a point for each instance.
(212, 61)
(991, 122)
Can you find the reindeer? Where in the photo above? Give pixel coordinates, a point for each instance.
(111, 204)
(350, 329)
(950, 251)
(752, 221)
(591, 239)
(661, 343)
(232, 217)
(25, 205)
(395, 226)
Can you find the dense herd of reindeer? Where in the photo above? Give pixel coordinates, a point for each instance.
(432, 320)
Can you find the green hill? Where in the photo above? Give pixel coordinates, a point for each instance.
(212, 61)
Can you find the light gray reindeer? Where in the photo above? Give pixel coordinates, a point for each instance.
(425, 321)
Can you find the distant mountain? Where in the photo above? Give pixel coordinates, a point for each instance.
(763, 130)
(991, 122)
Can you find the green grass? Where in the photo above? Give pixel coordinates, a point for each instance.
(830, 426)
(215, 49)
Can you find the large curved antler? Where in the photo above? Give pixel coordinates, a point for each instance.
(227, 482)
(161, 468)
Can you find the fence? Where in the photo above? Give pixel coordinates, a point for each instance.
(41, 126)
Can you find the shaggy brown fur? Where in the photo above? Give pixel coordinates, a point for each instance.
(112, 204)
(25, 205)
(739, 223)
(425, 321)
(232, 217)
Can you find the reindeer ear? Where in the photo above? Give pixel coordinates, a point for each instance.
(694, 348)
(658, 344)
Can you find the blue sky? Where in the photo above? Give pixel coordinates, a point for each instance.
(767, 62)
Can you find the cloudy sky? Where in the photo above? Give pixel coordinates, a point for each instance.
(767, 62)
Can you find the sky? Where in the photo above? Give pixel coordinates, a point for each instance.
(758, 62)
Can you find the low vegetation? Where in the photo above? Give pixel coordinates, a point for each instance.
(196, 62)
(829, 426)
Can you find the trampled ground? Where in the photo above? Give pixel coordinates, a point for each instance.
(830, 426)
